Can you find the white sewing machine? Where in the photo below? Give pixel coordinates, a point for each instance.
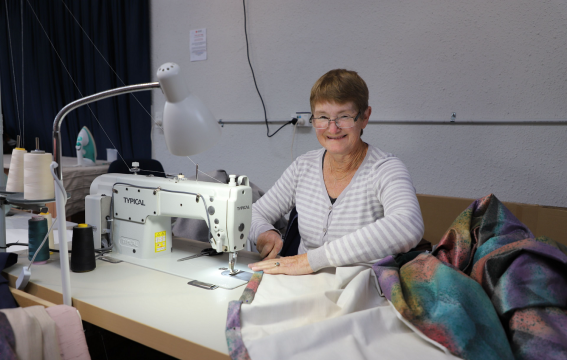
(136, 211)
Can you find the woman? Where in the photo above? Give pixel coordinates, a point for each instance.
(355, 203)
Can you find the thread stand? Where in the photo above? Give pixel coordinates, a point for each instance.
(18, 200)
(4, 192)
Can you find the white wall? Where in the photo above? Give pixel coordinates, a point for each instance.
(422, 60)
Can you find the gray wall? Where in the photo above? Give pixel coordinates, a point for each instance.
(422, 60)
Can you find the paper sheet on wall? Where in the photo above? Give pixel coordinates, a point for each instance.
(198, 44)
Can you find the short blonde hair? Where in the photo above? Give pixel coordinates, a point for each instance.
(340, 86)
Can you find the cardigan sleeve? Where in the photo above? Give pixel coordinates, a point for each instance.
(398, 231)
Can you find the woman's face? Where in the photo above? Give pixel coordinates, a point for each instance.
(335, 140)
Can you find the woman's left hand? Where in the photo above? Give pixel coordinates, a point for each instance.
(290, 265)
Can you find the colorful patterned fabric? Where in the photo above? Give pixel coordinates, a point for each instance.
(489, 290)
(236, 347)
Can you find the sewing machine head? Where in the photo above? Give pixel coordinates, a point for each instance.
(136, 211)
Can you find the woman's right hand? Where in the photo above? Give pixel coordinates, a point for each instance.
(269, 244)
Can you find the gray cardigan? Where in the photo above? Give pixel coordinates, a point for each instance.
(376, 215)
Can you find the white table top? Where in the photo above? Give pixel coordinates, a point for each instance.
(148, 306)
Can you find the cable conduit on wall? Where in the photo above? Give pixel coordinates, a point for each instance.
(418, 122)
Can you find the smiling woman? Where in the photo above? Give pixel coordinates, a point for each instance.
(355, 203)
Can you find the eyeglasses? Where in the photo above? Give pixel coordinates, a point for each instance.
(342, 122)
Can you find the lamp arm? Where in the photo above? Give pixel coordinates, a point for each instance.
(83, 101)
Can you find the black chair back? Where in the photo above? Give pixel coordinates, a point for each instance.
(291, 237)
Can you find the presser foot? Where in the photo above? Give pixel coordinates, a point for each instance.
(239, 274)
(231, 271)
(231, 262)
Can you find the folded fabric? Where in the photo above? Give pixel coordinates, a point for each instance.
(489, 290)
(72, 342)
(7, 339)
(50, 339)
(333, 314)
(34, 332)
(445, 305)
(27, 333)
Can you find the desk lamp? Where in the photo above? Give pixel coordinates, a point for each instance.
(189, 128)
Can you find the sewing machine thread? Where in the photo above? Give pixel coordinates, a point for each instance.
(37, 229)
(38, 183)
(83, 254)
(16, 174)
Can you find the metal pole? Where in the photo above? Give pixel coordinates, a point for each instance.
(59, 195)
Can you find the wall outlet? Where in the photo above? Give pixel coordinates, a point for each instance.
(302, 118)
(158, 121)
(158, 118)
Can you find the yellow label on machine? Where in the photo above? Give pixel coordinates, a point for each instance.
(160, 241)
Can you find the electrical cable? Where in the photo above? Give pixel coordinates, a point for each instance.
(293, 139)
(57, 181)
(13, 70)
(74, 83)
(24, 244)
(119, 78)
(254, 78)
(111, 68)
(123, 83)
(110, 223)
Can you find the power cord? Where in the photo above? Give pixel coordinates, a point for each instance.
(293, 138)
(294, 120)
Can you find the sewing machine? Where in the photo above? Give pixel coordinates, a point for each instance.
(136, 211)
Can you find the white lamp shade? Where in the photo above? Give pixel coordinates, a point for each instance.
(188, 125)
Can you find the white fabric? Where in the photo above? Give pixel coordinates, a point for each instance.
(48, 330)
(72, 341)
(27, 333)
(334, 314)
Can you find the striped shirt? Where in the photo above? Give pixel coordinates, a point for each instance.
(376, 215)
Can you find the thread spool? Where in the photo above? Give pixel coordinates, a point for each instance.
(37, 229)
(38, 182)
(83, 254)
(16, 174)
(49, 219)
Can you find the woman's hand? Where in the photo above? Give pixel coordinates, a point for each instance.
(291, 265)
(269, 244)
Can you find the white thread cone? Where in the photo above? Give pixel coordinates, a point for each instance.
(49, 222)
(38, 182)
(16, 174)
